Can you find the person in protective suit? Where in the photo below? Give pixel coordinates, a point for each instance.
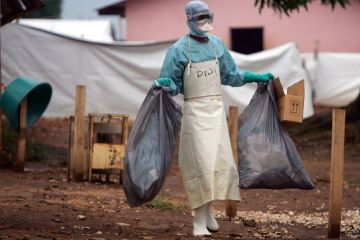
(196, 66)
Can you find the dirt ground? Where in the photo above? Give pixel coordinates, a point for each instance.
(41, 204)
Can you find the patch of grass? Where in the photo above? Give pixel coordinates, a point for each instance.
(9, 140)
(159, 203)
(9, 136)
(34, 152)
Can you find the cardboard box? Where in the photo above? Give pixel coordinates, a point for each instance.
(290, 106)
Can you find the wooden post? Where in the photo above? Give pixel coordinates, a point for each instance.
(21, 148)
(91, 142)
(336, 174)
(125, 131)
(79, 133)
(1, 121)
(233, 131)
(69, 173)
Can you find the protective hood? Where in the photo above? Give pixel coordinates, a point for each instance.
(194, 9)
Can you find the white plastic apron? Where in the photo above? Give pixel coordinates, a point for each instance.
(206, 162)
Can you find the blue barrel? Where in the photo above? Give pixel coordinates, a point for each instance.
(38, 96)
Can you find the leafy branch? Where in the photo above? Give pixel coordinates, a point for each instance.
(288, 6)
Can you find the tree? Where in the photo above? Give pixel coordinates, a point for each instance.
(319, 122)
(51, 9)
(288, 6)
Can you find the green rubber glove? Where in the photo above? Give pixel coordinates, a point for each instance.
(168, 84)
(250, 77)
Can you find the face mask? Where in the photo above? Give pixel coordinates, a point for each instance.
(196, 11)
(204, 25)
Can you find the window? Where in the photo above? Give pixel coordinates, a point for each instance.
(247, 40)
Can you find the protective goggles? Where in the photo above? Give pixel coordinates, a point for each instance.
(202, 22)
(209, 16)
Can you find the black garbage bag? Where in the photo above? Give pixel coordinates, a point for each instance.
(267, 156)
(150, 148)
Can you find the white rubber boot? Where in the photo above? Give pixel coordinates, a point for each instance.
(200, 221)
(211, 222)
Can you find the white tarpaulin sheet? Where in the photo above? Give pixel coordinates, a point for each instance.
(335, 77)
(118, 75)
(92, 30)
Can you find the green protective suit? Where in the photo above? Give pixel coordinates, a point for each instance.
(177, 58)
